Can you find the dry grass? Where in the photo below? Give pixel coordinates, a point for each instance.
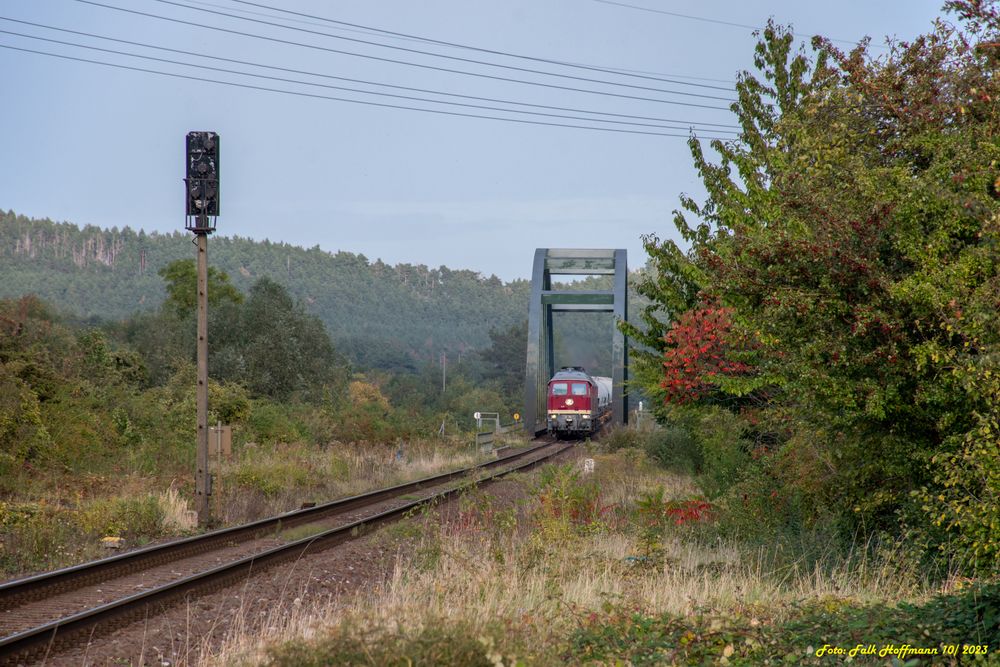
(265, 481)
(178, 517)
(544, 587)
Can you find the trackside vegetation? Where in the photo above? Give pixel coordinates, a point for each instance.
(96, 422)
(836, 311)
(621, 566)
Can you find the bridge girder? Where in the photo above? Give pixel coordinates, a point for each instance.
(545, 301)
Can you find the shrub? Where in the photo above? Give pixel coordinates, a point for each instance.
(674, 448)
(270, 476)
(271, 423)
(671, 447)
(655, 515)
(723, 454)
(228, 402)
(964, 508)
(622, 437)
(123, 517)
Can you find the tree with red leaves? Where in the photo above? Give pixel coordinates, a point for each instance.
(699, 354)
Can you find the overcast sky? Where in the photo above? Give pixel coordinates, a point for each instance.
(96, 145)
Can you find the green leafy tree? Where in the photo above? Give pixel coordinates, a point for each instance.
(850, 233)
(275, 348)
(506, 359)
(181, 277)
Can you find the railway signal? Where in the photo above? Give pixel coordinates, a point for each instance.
(202, 179)
(201, 186)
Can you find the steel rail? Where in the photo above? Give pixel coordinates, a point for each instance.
(36, 587)
(39, 642)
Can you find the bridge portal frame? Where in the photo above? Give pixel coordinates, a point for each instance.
(545, 301)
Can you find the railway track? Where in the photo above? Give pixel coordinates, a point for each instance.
(50, 612)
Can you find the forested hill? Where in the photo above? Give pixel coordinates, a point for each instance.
(376, 313)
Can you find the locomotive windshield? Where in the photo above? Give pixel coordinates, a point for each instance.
(560, 389)
(579, 389)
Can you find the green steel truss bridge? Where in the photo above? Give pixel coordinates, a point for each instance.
(545, 301)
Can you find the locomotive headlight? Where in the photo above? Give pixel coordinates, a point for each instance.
(569, 401)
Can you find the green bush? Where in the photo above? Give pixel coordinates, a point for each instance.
(724, 455)
(270, 477)
(622, 437)
(270, 423)
(674, 448)
(228, 402)
(123, 517)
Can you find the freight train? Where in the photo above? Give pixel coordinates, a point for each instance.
(577, 404)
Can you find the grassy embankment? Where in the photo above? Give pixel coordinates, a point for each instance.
(60, 519)
(628, 565)
(91, 447)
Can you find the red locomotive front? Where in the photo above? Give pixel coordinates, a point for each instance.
(574, 404)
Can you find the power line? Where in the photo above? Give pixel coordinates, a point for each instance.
(472, 61)
(344, 88)
(342, 99)
(479, 49)
(677, 14)
(399, 62)
(330, 76)
(704, 19)
(730, 84)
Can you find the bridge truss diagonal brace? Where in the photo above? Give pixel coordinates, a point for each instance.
(545, 301)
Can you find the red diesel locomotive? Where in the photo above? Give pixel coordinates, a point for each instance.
(577, 403)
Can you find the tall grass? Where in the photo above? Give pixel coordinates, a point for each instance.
(267, 480)
(537, 584)
(66, 526)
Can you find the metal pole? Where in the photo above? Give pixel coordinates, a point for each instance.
(202, 481)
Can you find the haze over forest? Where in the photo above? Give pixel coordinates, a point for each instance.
(380, 316)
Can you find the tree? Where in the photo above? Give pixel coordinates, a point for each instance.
(181, 277)
(506, 359)
(850, 234)
(699, 355)
(275, 348)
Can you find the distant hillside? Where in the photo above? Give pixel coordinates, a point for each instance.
(376, 313)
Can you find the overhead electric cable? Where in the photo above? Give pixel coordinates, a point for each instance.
(342, 99)
(432, 54)
(730, 84)
(347, 89)
(708, 20)
(476, 48)
(340, 78)
(400, 62)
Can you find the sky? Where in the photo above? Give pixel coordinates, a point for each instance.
(97, 145)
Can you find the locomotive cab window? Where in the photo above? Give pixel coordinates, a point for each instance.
(579, 389)
(560, 389)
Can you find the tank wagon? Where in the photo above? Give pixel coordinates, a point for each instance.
(577, 403)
